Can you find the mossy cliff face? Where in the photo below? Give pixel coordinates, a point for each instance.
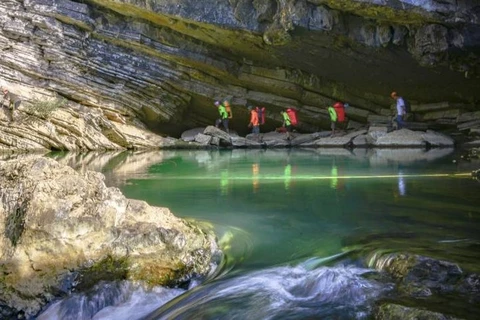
(165, 62)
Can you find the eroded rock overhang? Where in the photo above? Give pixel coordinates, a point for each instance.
(166, 62)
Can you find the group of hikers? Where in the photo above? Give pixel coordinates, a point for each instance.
(289, 116)
(257, 114)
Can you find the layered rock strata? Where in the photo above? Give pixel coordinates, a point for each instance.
(164, 63)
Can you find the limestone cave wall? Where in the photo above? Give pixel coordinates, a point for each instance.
(165, 62)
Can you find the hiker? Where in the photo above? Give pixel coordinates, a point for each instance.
(287, 123)
(333, 118)
(261, 115)
(226, 104)
(337, 115)
(254, 122)
(292, 115)
(13, 102)
(401, 110)
(223, 116)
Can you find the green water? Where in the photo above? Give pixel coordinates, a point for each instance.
(298, 227)
(277, 206)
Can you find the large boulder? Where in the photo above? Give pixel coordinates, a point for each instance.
(59, 228)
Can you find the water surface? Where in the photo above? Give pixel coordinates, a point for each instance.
(298, 226)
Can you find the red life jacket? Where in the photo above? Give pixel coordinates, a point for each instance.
(340, 110)
(292, 114)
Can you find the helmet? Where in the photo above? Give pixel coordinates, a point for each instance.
(217, 103)
(226, 103)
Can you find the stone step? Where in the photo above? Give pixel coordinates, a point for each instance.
(468, 116)
(430, 107)
(469, 125)
(443, 114)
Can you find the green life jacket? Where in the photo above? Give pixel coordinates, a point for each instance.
(286, 118)
(333, 114)
(222, 111)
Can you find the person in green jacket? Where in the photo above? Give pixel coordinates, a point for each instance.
(222, 111)
(13, 101)
(333, 118)
(287, 123)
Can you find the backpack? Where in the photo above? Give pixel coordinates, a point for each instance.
(407, 106)
(226, 104)
(292, 114)
(261, 114)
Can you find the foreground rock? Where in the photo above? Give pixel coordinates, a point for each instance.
(429, 287)
(59, 227)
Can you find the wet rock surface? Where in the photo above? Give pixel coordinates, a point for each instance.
(430, 289)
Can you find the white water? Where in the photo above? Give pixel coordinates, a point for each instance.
(110, 301)
(294, 292)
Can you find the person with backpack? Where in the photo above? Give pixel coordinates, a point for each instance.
(261, 114)
(337, 115)
(292, 114)
(226, 104)
(223, 116)
(401, 109)
(333, 118)
(287, 123)
(254, 120)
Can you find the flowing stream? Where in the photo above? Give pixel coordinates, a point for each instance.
(301, 229)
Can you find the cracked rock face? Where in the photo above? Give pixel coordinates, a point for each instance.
(164, 63)
(59, 227)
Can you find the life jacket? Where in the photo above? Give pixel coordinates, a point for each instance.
(226, 104)
(261, 114)
(254, 119)
(333, 114)
(407, 106)
(286, 119)
(292, 114)
(340, 110)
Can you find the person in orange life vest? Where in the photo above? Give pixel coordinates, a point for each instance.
(254, 122)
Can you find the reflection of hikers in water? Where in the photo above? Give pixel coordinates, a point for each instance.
(336, 172)
(222, 111)
(13, 102)
(255, 178)
(287, 176)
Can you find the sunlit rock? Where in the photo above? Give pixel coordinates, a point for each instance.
(60, 228)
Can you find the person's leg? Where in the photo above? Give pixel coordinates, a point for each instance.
(225, 125)
(400, 122)
(256, 129)
(217, 122)
(332, 126)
